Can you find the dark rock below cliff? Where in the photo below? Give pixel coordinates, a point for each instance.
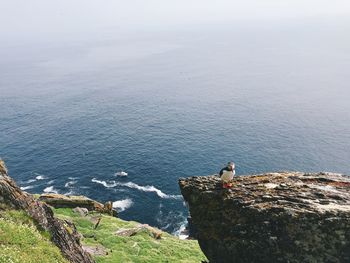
(276, 217)
(63, 233)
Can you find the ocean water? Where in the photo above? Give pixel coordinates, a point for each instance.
(165, 105)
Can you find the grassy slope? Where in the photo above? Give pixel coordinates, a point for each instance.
(139, 248)
(20, 241)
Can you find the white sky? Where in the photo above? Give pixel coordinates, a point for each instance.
(33, 17)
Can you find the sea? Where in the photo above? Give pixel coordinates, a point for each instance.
(165, 104)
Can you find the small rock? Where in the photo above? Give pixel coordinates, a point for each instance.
(97, 250)
(128, 232)
(81, 211)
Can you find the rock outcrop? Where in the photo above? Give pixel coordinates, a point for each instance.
(141, 228)
(63, 201)
(63, 233)
(276, 217)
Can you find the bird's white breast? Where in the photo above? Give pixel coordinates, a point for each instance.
(227, 176)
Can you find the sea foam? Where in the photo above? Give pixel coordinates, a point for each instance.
(29, 181)
(104, 183)
(40, 177)
(122, 205)
(147, 188)
(181, 231)
(27, 187)
(50, 189)
(70, 184)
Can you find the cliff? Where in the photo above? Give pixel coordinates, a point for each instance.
(277, 217)
(63, 233)
(42, 228)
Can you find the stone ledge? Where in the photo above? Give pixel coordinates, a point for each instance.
(273, 217)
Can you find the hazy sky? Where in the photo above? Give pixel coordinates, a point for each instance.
(29, 18)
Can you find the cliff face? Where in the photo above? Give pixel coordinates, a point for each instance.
(64, 234)
(277, 217)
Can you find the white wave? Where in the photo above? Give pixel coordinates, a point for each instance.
(150, 188)
(173, 221)
(50, 189)
(40, 177)
(70, 184)
(27, 187)
(104, 183)
(70, 192)
(29, 181)
(51, 182)
(181, 231)
(147, 188)
(122, 205)
(73, 178)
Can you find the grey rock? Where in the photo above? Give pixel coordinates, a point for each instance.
(231, 225)
(81, 211)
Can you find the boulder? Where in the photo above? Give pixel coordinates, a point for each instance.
(274, 217)
(81, 211)
(108, 209)
(96, 250)
(142, 228)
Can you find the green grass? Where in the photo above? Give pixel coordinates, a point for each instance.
(138, 248)
(20, 241)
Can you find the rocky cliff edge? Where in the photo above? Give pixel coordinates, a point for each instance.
(275, 217)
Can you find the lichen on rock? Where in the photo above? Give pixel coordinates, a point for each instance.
(275, 217)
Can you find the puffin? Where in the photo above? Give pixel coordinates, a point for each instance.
(226, 175)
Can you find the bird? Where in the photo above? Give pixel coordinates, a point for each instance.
(226, 175)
